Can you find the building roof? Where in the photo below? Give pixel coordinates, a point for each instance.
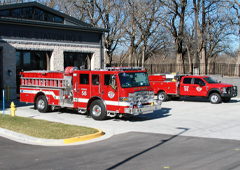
(69, 22)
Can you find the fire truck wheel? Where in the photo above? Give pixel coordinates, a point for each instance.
(162, 96)
(214, 98)
(97, 110)
(42, 104)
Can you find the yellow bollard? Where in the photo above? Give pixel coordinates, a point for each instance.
(7, 92)
(13, 109)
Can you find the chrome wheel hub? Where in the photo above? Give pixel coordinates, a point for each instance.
(96, 110)
(214, 98)
(41, 104)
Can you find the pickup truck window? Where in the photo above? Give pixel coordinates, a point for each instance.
(187, 80)
(133, 79)
(198, 80)
(209, 80)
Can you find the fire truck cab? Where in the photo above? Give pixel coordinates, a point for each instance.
(109, 92)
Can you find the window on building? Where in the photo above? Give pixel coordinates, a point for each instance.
(76, 59)
(31, 60)
(31, 13)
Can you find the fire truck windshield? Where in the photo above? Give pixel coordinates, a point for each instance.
(133, 79)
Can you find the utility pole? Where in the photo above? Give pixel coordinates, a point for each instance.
(196, 39)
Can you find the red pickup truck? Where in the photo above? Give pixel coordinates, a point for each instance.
(169, 86)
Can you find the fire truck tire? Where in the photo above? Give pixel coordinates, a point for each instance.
(162, 96)
(214, 98)
(42, 104)
(97, 110)
(226, 99)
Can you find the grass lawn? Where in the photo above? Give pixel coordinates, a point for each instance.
(42, 128)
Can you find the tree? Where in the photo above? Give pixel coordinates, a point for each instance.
(107, 14)
(174, 21)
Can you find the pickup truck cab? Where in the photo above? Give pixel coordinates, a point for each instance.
(191, 86)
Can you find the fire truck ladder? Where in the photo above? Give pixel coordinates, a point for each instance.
(43, 82)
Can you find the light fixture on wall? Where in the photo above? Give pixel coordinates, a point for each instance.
(9, 72)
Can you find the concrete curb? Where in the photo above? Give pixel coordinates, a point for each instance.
(84, 138)
(26, 138)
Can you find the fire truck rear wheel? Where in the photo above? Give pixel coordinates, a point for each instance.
(214, 98)
(97, 110)
(162, 96)
(42, 104)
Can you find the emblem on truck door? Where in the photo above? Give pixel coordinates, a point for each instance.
(111, 94)
(186, 88)
(199, 88)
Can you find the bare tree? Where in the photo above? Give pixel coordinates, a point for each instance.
(107, 14)
(236, 6)
(142, 29)
(174, 21)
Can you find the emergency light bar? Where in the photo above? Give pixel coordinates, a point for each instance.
(123, 68)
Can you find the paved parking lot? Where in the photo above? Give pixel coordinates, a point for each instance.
(188, 117)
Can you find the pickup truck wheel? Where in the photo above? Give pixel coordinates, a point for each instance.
(162, 96)
(226, 99)
(214, 98)
(42, 104)
(97, 110)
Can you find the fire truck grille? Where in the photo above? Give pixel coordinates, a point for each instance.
(143, 97)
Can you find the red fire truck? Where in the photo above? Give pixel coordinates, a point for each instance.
(170, 86)
(110, 92)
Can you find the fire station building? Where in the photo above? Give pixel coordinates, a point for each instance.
(36, 37)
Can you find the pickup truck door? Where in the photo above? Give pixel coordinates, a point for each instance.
(186, 86)
(199, 87)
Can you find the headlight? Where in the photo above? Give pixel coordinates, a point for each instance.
(224, 90)
(125, 99)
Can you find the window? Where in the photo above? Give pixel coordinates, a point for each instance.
(31, 13)
(38, 14)
(187, 80)
(133, 79)
(95, 79)
(57, 19)
(197, 80)
(16, 13)
(75, 59)
(84, 78)
(27, 13)
(107, 79)
(5, 13)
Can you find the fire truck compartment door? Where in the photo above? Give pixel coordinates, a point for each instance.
(81, 89)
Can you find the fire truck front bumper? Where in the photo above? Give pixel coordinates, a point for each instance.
(144, 109)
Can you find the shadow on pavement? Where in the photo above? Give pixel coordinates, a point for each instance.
(164, 112)
(202, 100)
(16, 102)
